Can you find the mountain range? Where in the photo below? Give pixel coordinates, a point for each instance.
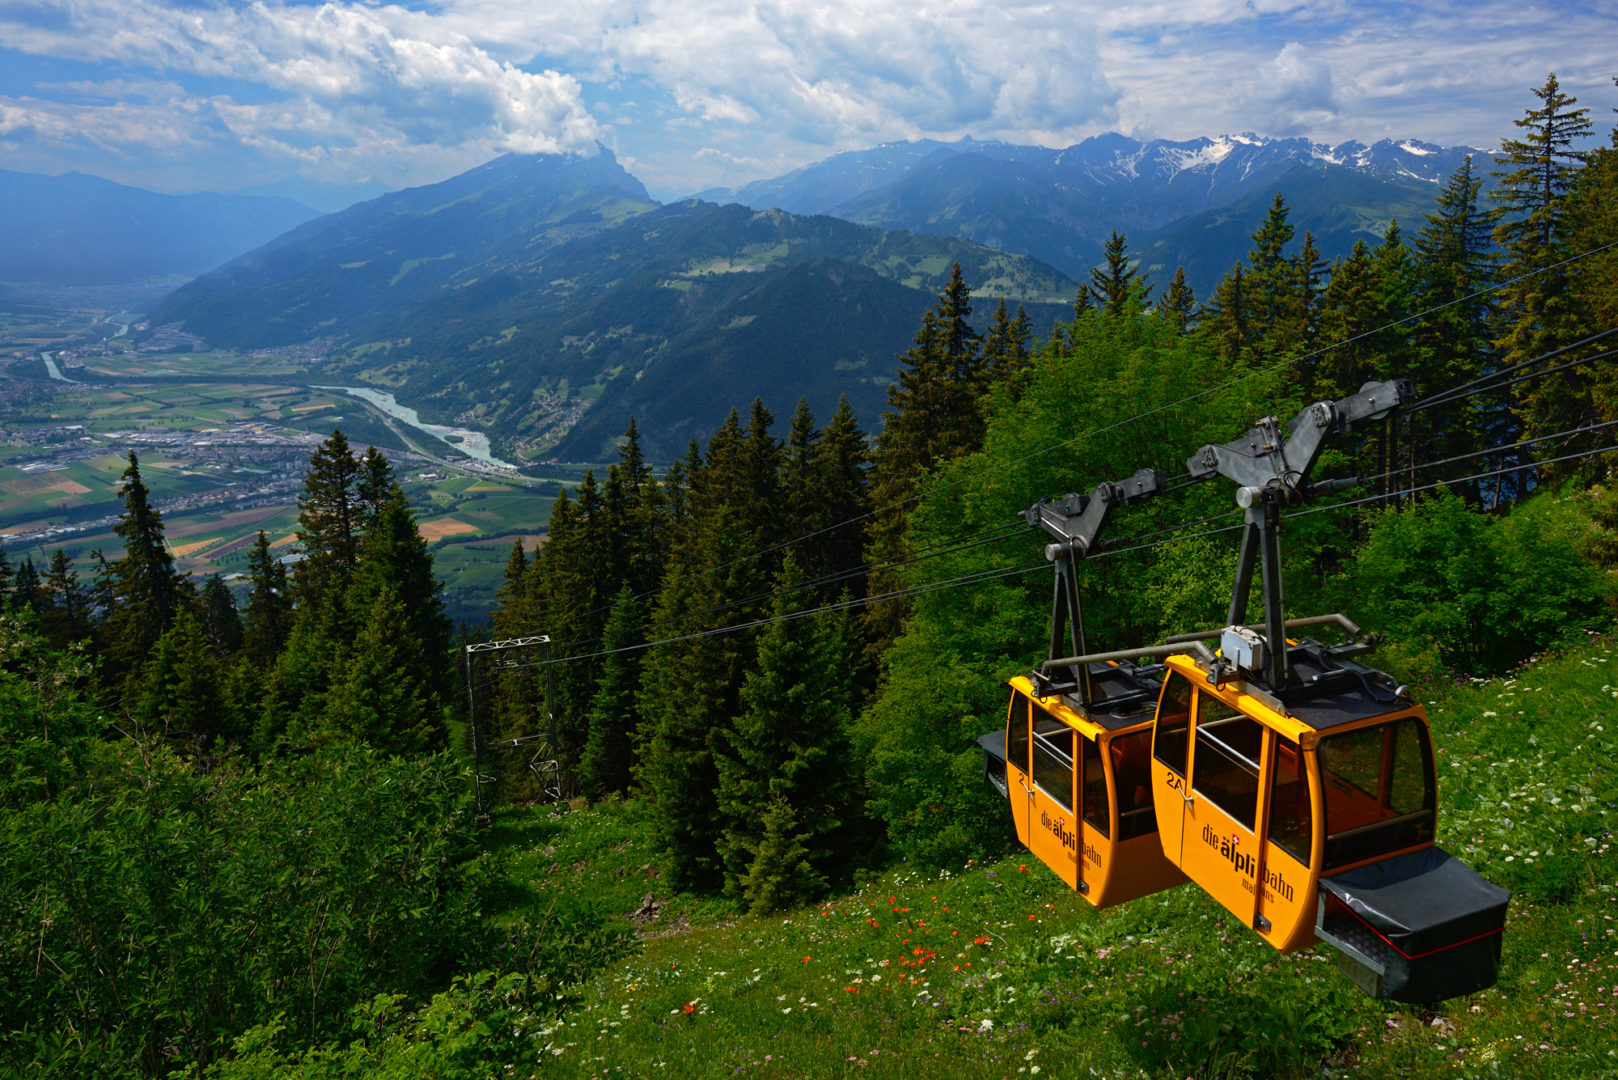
(1173, 200)
(548, 299)
(79, 230)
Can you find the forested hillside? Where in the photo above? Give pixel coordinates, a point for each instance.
(279, 836)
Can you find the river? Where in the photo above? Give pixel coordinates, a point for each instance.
(474, 444)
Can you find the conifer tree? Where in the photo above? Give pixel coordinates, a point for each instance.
(221, 622)
(268, 618)
(179, 693)
(840, 495)
(1179, 304)
(1535, 312)
(1592, 225)
(330, 521)
(374, 485)
(1006, 348)
(6, 574)
(790, 745)
(1118, 284)
(394, 560)
(1455, 265)
(608, 761)
(384, 697)
(68, 619)
(146, 589)
(933, 416)
(26, 589)
(1228, 319)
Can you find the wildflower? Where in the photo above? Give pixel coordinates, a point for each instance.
(690, 1007)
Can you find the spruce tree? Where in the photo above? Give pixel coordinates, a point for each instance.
(268, 619)
(1116, 286)
(384, 696)
(146, 589)
(1454, 269)
(1535, 312)
(221, 622)
(610, 752)
(26, 589)
(69, 615)
(1179, 304)
(1228, 320)
(790, 745)
(179, 693)
(933, 415)
(330, 522)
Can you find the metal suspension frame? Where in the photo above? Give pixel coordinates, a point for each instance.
(484, 783)
(1271, 471)
(1074, 522)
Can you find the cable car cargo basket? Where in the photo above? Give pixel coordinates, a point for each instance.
(1417, 928)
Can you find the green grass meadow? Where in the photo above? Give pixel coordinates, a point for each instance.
(996, 970)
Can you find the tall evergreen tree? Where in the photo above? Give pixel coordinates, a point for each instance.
(330, 521)
(1117, 285)
(1228, 320)
(933, 416)
(790, 745)
(1535, 312)
(146, 589)
(179, 693)
(268, 618)
(68, 619)
(27, 592)
(1007, 350)
(1179, 304)
(610, 751)
(221, 622)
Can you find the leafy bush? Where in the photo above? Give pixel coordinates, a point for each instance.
(150, 923)
(1459, 590)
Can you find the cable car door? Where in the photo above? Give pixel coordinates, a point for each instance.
(1170, 741)
(1219, 845)
(1053, 825)
(1018, 780)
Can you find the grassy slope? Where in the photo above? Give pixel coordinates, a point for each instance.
(996, 970)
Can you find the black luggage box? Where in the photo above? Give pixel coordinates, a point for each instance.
(1417, 928)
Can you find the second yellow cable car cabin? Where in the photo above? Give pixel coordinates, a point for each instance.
(1079, 783)
(1074, 757)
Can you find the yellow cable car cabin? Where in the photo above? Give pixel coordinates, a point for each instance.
(1079, 783)
(1310, 813)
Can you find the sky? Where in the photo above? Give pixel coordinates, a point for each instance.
(193, 95)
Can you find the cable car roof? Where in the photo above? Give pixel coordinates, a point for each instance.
(1327, 690)
(1124, 694)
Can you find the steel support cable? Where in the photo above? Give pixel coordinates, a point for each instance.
(1442, 397)
(1458, 480)
(933, 551)
(843, 605)
(1532, 375)
(1567, 434)
(1026, 568)
(1279, 365)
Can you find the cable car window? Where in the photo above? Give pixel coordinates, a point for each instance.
(1289, 802)
(1017, 733)
(1173, 722)
(1132, 774)
(1226, 766)
(1053, 757)
(1096, 809)
(1378, 788)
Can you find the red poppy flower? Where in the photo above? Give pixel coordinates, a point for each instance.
(690, 1008)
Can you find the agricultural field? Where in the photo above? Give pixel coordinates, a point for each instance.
(224, 439)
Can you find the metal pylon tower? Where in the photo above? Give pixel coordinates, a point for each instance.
(503, 653)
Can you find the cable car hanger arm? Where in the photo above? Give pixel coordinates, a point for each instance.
(1271, 470)
(1073, 522)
